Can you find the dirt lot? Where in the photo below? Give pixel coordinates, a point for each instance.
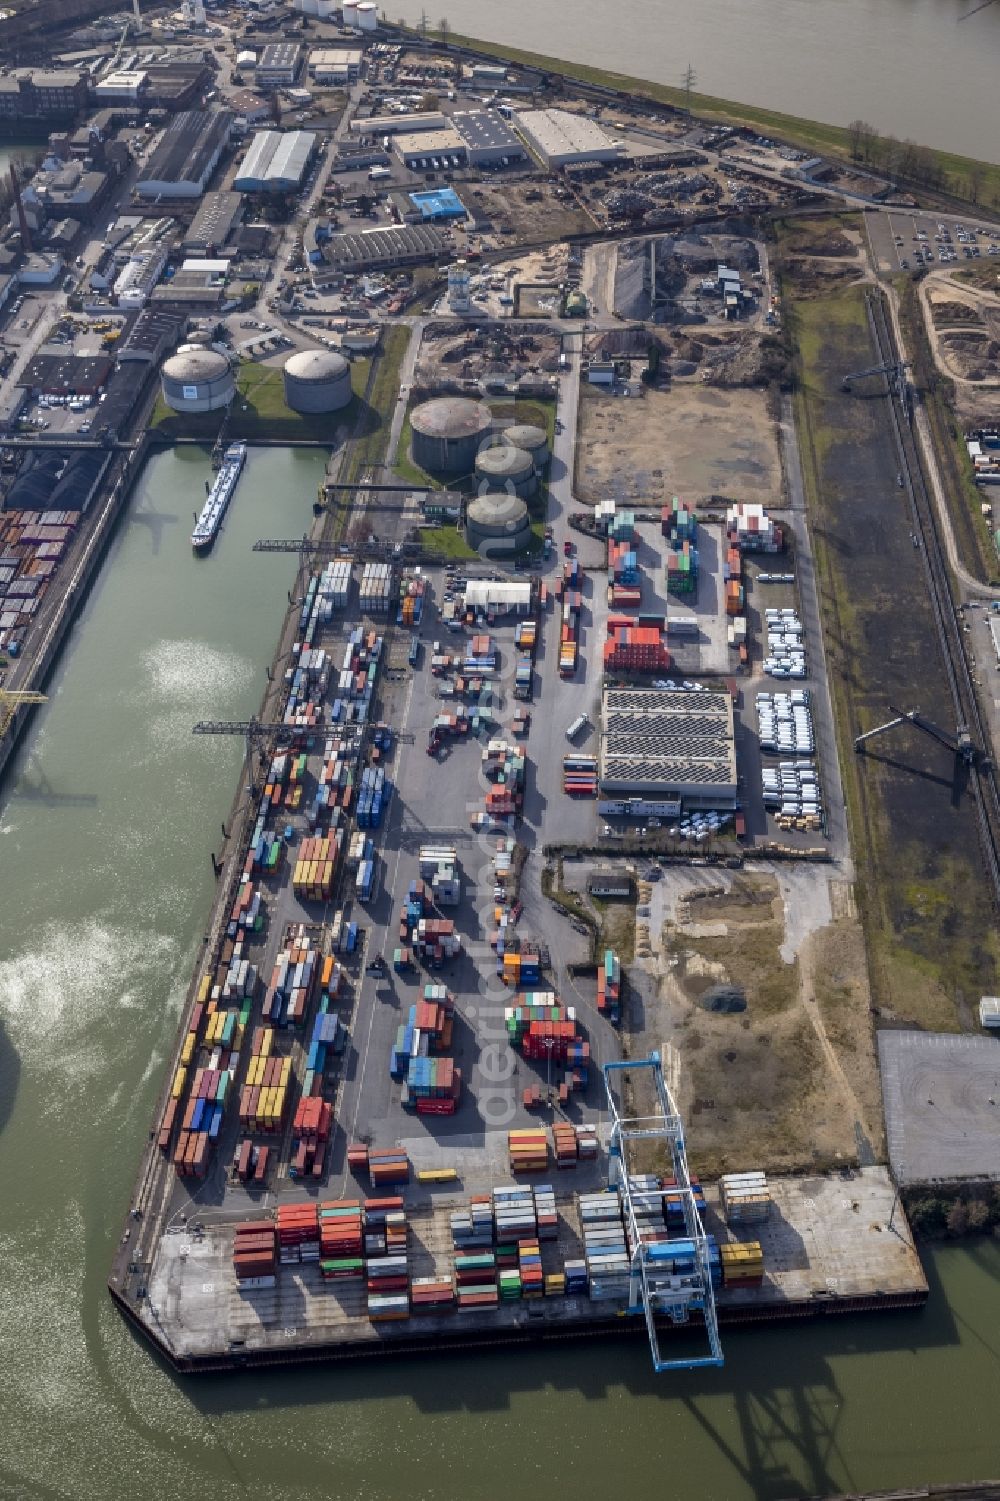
(759, 998)
(971, 356)
(454, 351)
(692, 440)
(508, 209)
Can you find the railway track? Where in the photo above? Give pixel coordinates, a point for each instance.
(982, 778)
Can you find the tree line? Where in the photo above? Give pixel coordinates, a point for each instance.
(907, 160)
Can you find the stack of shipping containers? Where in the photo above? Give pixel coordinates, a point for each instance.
(376, 588)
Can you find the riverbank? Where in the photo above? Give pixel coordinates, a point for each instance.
(968, 179)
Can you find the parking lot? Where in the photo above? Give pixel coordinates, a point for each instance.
(906, 240)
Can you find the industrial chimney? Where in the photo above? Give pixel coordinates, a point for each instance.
(22, 218)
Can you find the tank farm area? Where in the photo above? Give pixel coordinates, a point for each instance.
(411, 1102)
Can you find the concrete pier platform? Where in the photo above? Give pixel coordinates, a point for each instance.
(831, 1245)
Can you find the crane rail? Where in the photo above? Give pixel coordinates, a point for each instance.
(982, 778)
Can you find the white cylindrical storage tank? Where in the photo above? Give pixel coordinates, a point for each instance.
(350, 13)
(325, 9)
(531, 440)
(317, 380)
(499, 519)
(447, 433)
(367, 15)
(507, 468)
(197, 380)
(246, 60)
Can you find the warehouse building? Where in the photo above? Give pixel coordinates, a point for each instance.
(441, 203)
(394, 125)
(127, 85)
(218, 215)
(279, 65)
(275, 161)
(498, 596)
(379, 250)
(611, 883)
(65, 375)
(189, 152)
(335, 64)
(152, 334)
(560, 138)
(416, 150)
(489, 140)
(669, 744)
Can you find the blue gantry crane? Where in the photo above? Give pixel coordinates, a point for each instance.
(673, 1278)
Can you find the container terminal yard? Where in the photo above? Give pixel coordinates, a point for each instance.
(381, 911)
(534, 1001)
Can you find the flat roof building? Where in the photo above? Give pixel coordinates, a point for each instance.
(394, 125)
(439, 203)
(422, 146)
(150, 336)
(669, 743)
(279, 65)
(66, 374)
(488, 138)
(275, 161)
(335, 64)
(217, 217)
(560, 137)
(188, 154)
(126, 84)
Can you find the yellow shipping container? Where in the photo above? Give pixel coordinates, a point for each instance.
(180, 1078)
(286, 1070)
(204, 989)
(187, 1051)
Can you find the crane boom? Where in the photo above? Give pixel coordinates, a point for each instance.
(13, 699)
(960, 743)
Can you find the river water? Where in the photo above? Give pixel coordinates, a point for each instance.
(909, 67)
(105, 884)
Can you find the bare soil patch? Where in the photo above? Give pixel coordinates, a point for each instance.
(692, 440)
(754, 1077)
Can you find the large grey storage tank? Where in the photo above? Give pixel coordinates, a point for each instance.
(507, 468)
(448, 433)
(197, 380)
(532, 440)
(498, 518)
(317, 380)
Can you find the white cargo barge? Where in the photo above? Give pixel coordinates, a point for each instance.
(219, 496)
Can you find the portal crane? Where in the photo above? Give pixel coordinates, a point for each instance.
(257, 734)
(657, 1286)
(13, 699)
(960, 742)
(894, 369)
